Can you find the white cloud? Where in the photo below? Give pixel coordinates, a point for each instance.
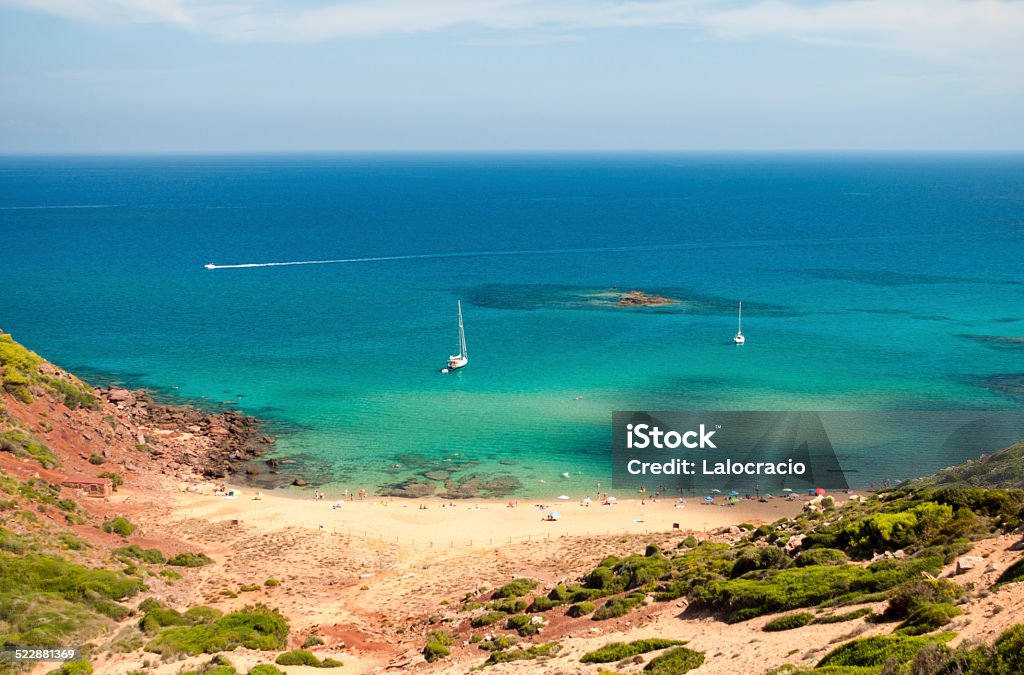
(933, 28)
(984, 37)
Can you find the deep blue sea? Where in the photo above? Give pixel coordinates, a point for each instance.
(868, 282)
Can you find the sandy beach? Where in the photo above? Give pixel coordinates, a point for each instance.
(435, 523)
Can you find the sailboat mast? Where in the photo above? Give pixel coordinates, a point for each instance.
(462, 333)
(739, 320)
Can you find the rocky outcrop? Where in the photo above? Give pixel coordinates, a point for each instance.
(641, 299)
(212, 445)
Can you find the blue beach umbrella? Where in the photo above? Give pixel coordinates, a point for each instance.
(734, 493)
(709, 498)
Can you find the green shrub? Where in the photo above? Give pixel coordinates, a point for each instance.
(759, 558)
(508, 605)
(438, 642)
(121, 526)
(202, 614)
(189, 559)
(616, 607)
(875, 651)
(270, 583)
(788, 622)
(616, 651)
(542, 604)
(22, 444)
(147, 555)
(312, 641)
(847, 616)
(915, 595)
(72, 542)
(97, 459)
(1009, 651)
(886, 530)
(75, 395)
(47, 600)
(497, 643)
(821, 556)
(15, 357)
(929, 617)
(515, 589)
(798, 587)
(11, 542)
(254, 627)
(523, 625)
(676, 662)
(487, 619)
(303, 657)
(266, 669)
(157, 616)
(640, 571)
(580, 609)
(602, 577)
(534, 652)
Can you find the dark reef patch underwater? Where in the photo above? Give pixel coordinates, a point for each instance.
(558, 296)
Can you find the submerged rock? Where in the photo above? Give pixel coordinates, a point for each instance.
(412, 489)
(502, 486)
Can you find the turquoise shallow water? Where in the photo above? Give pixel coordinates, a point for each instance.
(869, 283)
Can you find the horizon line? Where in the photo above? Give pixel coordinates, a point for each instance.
(522, 151)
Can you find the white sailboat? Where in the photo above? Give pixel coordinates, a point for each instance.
(459, 360)
(739, 339)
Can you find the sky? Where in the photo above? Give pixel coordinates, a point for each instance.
(145, 76)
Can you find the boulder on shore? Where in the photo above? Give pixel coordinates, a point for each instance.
(967, 562)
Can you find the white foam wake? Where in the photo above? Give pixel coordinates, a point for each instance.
(58, 206)
(569, 251)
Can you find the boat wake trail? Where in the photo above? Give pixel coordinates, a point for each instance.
(433, 256)
(572, 251)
